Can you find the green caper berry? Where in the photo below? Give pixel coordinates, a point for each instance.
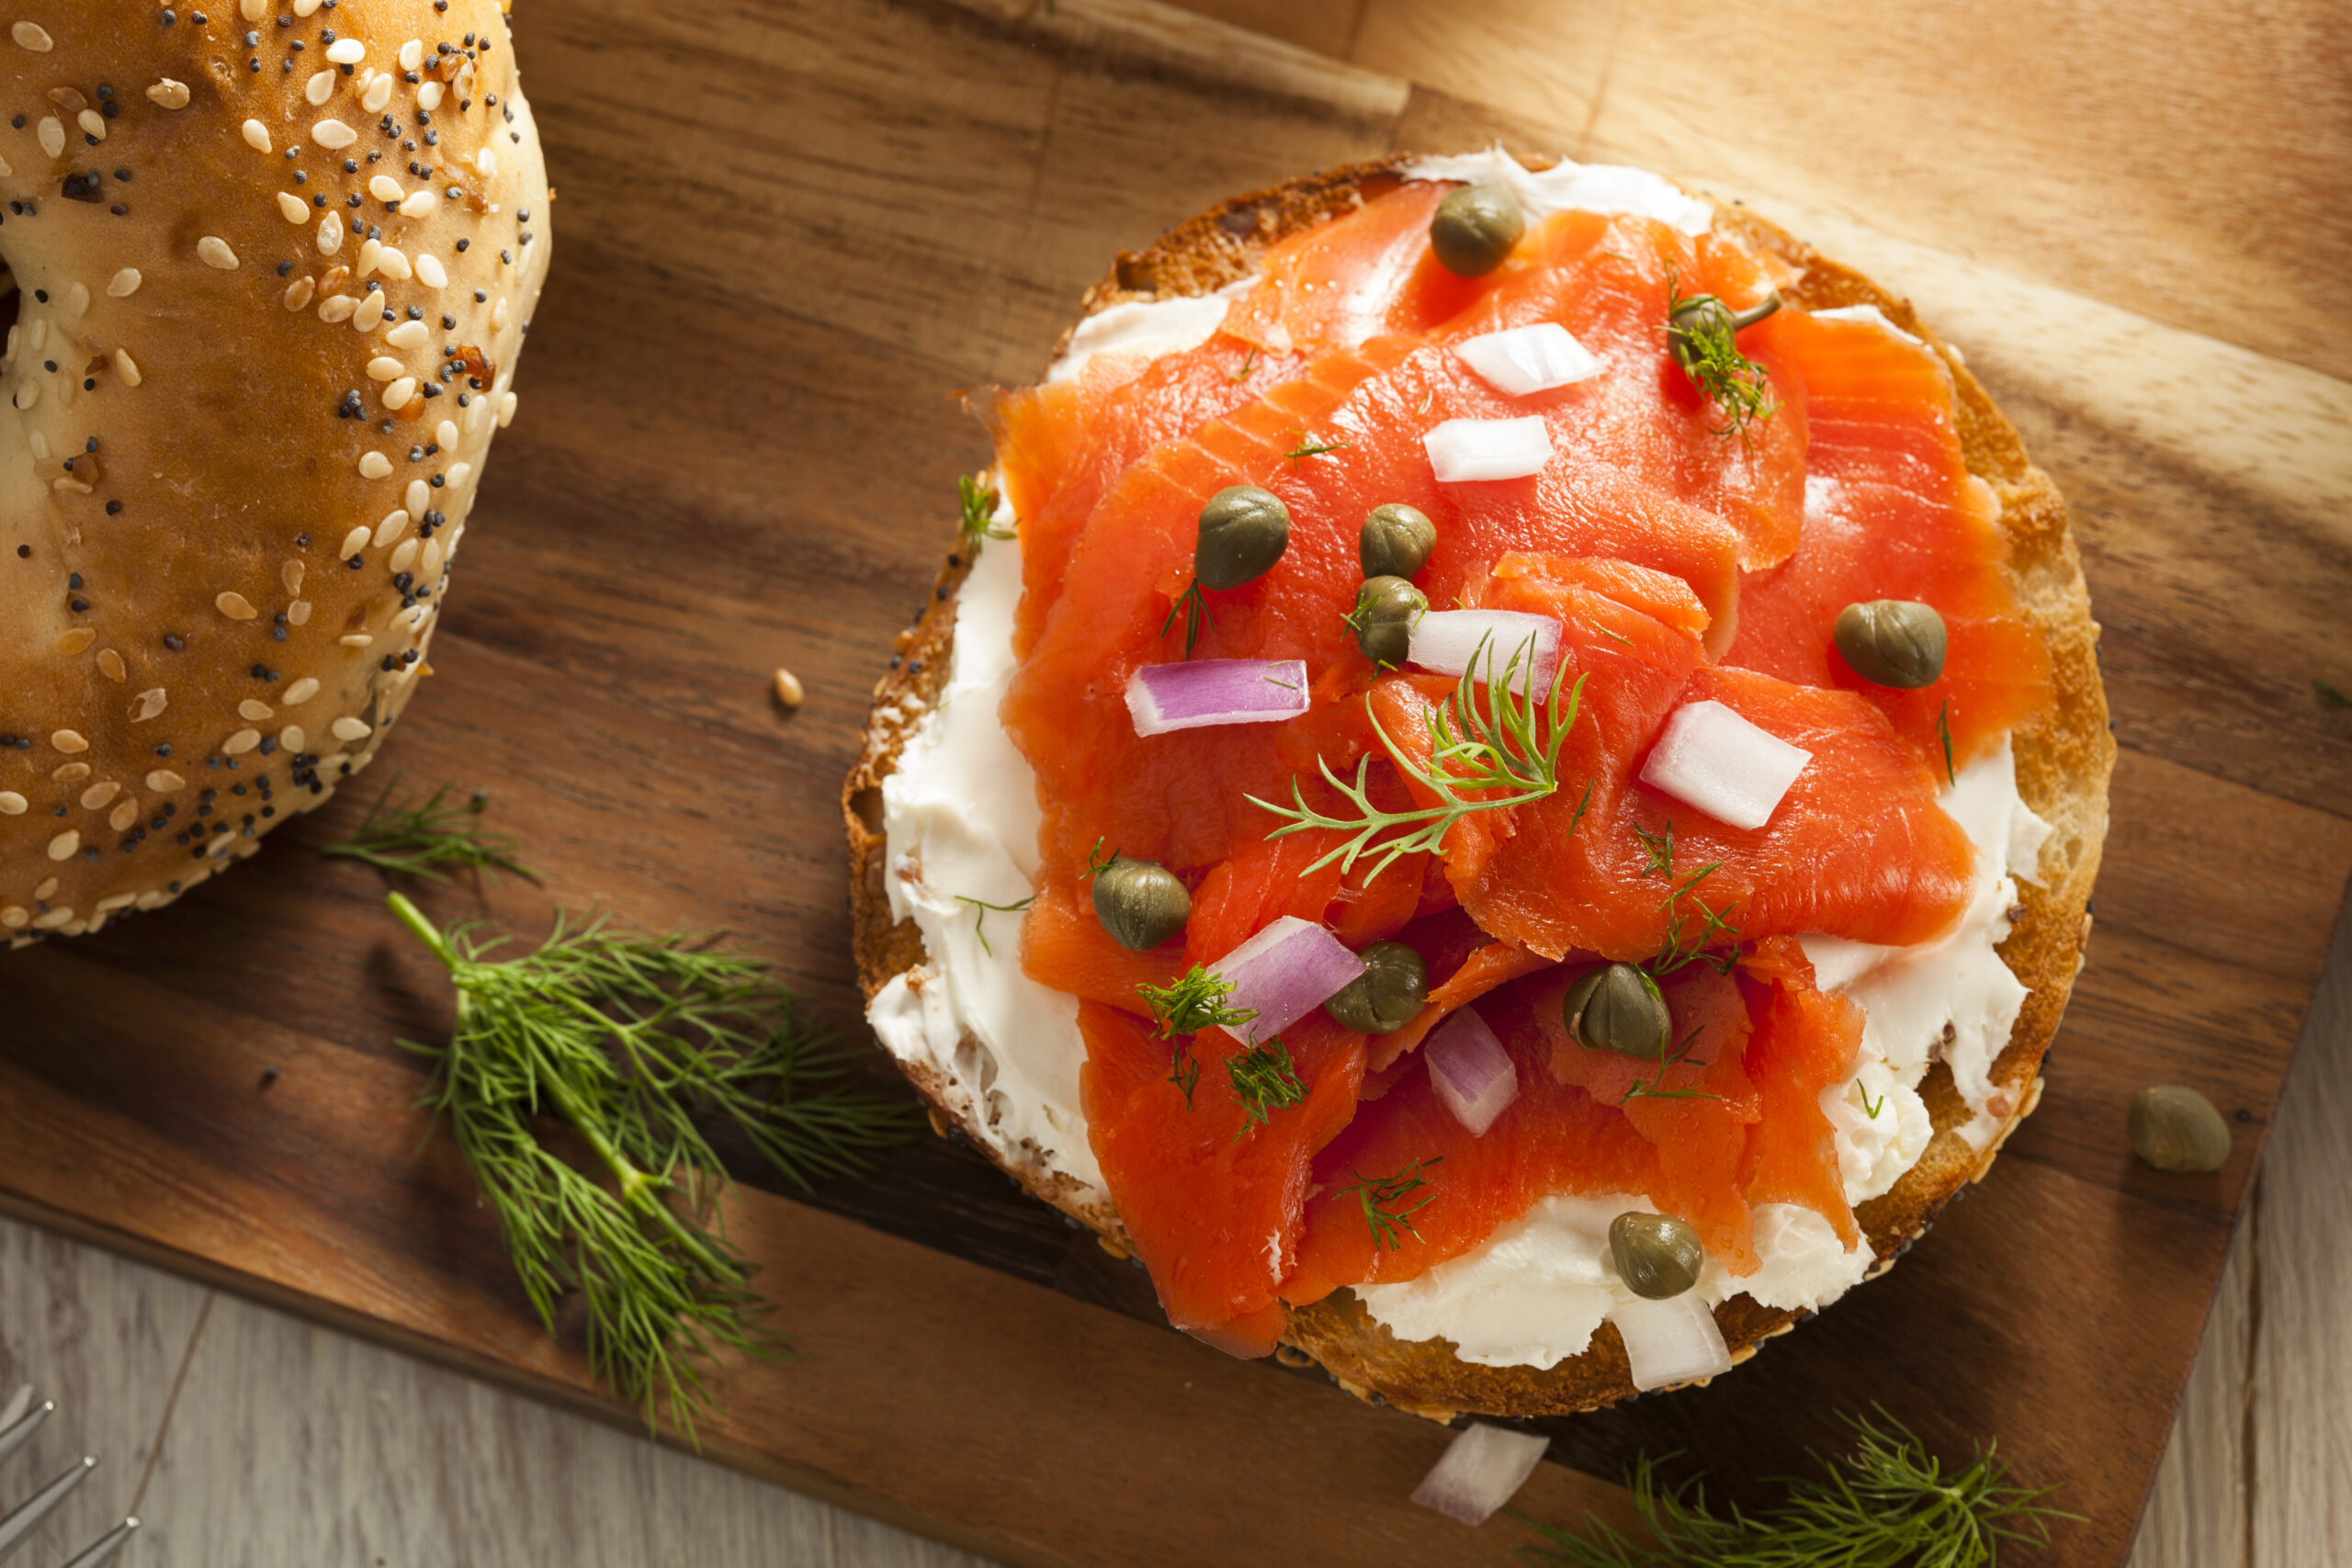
(1657, 1255)
(1244, 531)
(1386, 608)
(1617, 1009)
(1892, 642)
(1702, 319)
(1141, 903)
(2173, 1128)
(1395, 541)
(1387, 996)
(1475, 228)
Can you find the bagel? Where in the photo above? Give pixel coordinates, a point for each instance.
(2062, 762)
(273, 267)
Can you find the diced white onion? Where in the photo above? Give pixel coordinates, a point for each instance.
(1445, 641)
(1466, 449)
(1207, 692)
(1525, 360)
(1285, 972)
(1672, 1341)
(1711, 757)
(1471, 1073)
(1480, 1471)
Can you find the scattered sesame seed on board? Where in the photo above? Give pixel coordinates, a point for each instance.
(788, 689)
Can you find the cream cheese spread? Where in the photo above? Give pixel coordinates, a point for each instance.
(961, 819)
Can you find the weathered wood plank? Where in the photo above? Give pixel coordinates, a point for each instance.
(2130, 153)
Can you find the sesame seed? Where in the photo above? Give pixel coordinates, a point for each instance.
(346, 51)
(243, 741)
(124, 283)
(256, 135)
(68, 741)
(167, 93)
(293, 207)
(214, 252)
(374, 465)
(332, 133)
(234, 605)
(32, 36)
(354, 542)
(128, 368)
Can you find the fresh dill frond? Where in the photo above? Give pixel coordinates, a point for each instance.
(1685, 944)
(1097, 863)
(1249, 363)
(980, 908)
(1195, 608)
(979, 524)
(419, 838)
(631, 1042)
(1679, 1056)
(1888, 1502)
(1701, 332)
(1943, 733)
(1657, 850)
(1265, 1081)
(1874, 1109)
(1311, 447)
(1193, 1001)
(1482, 743)
(1382, 1197)
(2329, 697)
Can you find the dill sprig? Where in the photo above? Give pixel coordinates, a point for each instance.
(980, 908)
(1702, 335)
(617, 1043)
(1195, 608)
(1382, 1197)
(1476, 743)
(1312, 446)
(417, 838)
(1685, 943)
(979, 524)
(1193, 1001)
(1889, 1502)
(1249, 363)
(1678, 1056)
(1943, 733)
(1265, 1081)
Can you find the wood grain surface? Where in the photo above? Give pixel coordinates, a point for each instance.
(788, 232)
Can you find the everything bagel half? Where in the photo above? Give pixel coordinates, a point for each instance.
(273, 266)
(1057, 1127)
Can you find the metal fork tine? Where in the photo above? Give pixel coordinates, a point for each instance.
(19, 1527)
(18, 1429)
(108, 1544)
(19, 1403)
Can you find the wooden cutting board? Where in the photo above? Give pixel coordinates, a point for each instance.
(788, 232)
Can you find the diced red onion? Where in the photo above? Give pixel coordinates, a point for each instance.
(1446, 642)
(1464, 449)
(1470, 1070)
(1525, 360)
(1672, 1341)
(1711, 757)
(1215, 691)
(1286, 971)
(1480, 1471)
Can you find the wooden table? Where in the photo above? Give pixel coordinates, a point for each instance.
(787, 231)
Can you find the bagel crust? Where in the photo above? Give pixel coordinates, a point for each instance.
(2063, 762)
(273, 266)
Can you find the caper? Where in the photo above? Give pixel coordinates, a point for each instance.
(1141, 903)
(2173, 1128)
(1617, 1008)
(1395, 541)
(1386, 608)
(1704, 320)
(1893, 642)
(1387, 996)
(1657, 1255)
(1475, 228)
(1244, 531)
